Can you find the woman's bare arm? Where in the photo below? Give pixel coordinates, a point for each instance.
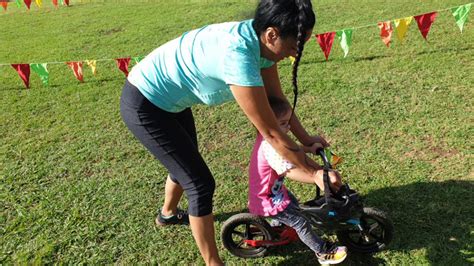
(254, 102)
(271, 81)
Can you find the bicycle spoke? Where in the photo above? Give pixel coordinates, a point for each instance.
(376, 237)
(373, 226)
(241, 242)
(238, 233)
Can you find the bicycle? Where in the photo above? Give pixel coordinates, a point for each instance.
(361, 229)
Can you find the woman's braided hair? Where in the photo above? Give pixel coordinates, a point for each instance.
(293, 18)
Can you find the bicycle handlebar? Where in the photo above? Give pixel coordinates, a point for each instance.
(322, 153)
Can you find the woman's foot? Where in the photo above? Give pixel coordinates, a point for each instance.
(181, 217)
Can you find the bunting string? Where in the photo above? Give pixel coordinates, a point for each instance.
(375, 24)
(325, 40)
(27, 3)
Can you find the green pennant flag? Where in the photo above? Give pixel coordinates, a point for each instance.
(345, 37)
(328, 153)
(460, 13)
(61, 2)
(137, 59)
(18, 3)
(42, 71)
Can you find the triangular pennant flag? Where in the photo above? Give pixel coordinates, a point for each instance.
(460, 13)
(61, 2)
(55, 3)
(345, 38)
(93, 65)
(137, 59)
(292, 60)
(24, 73)
(325, 41)
(5, 5)
(39, 3)
(122, 64)
(18, 3)
(66, 2)
(27, 3)
(402, 27)
(77, 68)
(386, 32)
(424, 22)
(42, 71)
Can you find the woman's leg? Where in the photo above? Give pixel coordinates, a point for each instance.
(163, 135)
(173, 190)
(203, 232)
(173, 193)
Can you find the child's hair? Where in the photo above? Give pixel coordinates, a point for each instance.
(279, 106)
(292, 18)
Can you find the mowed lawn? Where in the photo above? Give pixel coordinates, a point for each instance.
(76, 187)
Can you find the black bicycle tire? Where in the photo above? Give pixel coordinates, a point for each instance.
(382, 219)
(245, 218)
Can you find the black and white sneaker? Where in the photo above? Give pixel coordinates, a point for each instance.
(181, 217)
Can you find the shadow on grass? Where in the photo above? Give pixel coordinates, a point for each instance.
(436, 217)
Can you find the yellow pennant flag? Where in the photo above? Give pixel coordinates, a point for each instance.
(402, 27)
(38, 3)
(92, 64)
(292, 59)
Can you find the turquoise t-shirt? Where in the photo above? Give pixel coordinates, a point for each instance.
(199, 66)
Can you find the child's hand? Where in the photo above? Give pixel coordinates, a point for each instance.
(335, 179)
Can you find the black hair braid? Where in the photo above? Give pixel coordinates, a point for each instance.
(300, 39)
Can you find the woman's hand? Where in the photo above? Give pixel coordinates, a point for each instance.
(319, 140)
(313, 148)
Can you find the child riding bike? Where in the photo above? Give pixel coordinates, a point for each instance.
(268, 196)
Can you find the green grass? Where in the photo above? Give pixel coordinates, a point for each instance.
(77, 187)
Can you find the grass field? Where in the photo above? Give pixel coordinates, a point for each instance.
(76, 187)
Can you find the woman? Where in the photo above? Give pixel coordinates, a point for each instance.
(212, 65)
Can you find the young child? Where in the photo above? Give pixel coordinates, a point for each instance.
(269, 197)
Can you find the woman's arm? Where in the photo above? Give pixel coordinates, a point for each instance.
(254, 102)
(272, 84)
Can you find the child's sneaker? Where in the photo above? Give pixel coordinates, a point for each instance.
(181, 217)
(332, 254)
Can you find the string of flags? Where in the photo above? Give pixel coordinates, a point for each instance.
(423, 21)
(325, 41)
(41, 69)
(39, 3)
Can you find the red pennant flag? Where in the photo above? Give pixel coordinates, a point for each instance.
(122, 64)
(27, 3)
(55, 3)
(24, 73)
(5, 5)
(325, 41)
(77, 68)
(66, 2)
(424, 22)
(386, 31)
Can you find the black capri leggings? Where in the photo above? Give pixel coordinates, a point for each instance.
(171, 138)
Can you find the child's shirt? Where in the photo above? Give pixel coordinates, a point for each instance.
(267, 194)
